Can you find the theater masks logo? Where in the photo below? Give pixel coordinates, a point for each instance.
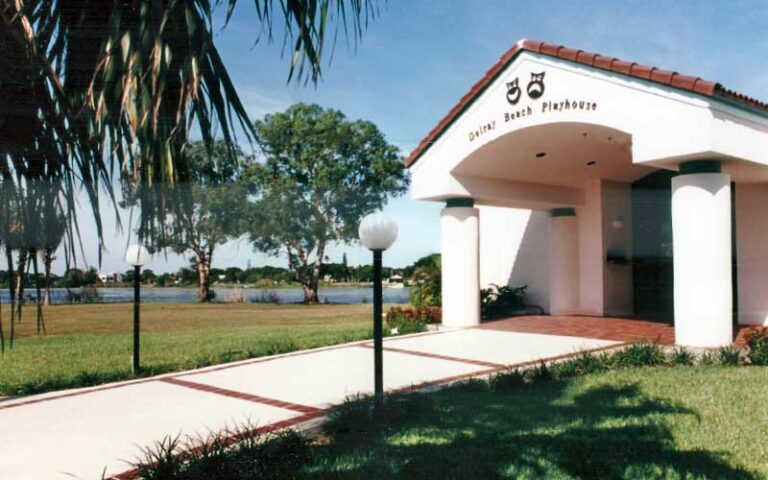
(535, 87)
(513, 91)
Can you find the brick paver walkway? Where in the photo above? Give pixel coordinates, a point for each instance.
(604, 328)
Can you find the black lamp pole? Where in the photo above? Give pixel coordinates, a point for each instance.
(378, 360)
(136, 305)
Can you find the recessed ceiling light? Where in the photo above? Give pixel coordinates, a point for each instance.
(540, 154)
(589, 164)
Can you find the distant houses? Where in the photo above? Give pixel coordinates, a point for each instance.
(115, 277)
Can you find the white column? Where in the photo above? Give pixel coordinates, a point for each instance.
(460, 263)
(701, 232)
(564, 262)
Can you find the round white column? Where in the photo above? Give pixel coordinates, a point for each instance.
(563, 261)
(460, 244)
(701, 232)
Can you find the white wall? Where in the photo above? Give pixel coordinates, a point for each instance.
(752, 252)
(514, 250)
(591, 250)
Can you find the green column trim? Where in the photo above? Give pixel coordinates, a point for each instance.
(701, 166)
(563, 212)
(460, 202)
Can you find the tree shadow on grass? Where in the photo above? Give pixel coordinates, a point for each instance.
(531, 432)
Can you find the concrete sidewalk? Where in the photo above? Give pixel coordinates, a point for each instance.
(81, 432)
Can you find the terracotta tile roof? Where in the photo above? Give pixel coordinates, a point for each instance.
(684, 82)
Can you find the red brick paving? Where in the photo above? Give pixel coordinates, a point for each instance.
(439, 357)
(603, 328)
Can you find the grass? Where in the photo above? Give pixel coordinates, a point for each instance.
(92, 344)
(698, 422)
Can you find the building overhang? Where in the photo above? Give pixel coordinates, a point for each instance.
(582, 110)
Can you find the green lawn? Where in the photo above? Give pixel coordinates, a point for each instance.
(647, 423)
(91, 344)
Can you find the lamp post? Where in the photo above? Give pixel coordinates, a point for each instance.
(136, 255)
(377, 232)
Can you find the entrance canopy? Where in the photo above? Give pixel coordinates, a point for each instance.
(605, 187)
(546, 118)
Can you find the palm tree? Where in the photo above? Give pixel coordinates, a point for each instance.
(93, 90)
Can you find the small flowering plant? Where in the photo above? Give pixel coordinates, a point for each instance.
(757, 340)
(402, 320)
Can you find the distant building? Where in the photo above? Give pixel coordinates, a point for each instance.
(115, 277)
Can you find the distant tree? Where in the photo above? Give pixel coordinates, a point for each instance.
(211, 209)
(364, 273)
(233, 275)
(337, 271)
(345, 266)
(166, 280)
(91, 276)
(321, 174)
(75, 278)
(187, 275)
(148, 276)
(128, 276)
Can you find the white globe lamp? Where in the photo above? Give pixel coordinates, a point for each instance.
(377, 232)
(136, 255)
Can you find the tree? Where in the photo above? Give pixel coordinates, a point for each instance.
(148, 276)
(321, 174)
(211, 209)
(81, 82)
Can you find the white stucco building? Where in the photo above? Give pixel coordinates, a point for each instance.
(608, 187)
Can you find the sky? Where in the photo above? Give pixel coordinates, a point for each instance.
(418, 57)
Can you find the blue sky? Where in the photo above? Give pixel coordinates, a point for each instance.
(418, 57)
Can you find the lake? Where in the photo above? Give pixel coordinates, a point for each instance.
(189, 295)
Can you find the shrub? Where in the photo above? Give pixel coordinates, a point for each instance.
(729, 356)
(757, 342)
(639, 354)
(264, 283)
(583, 364)
(508, 380)
(426, 282)
(412, 320)
(499, 301)
(242, 453)
(682, 356)
(541, 372)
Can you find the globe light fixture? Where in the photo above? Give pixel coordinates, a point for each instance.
(377, 232)
(136, 256)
